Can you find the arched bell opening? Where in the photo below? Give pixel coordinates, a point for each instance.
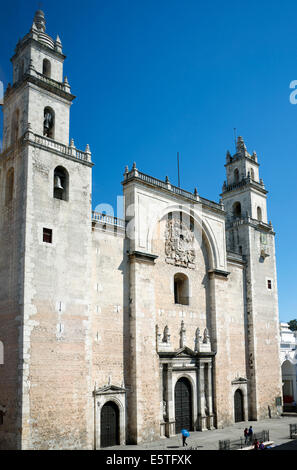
(61, 183)
(49, 123)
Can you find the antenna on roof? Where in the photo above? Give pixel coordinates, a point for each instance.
(178, 169)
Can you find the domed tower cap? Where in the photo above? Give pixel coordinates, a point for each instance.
(39, 20)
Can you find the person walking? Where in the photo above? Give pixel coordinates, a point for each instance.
(250, 434)
(185, 434)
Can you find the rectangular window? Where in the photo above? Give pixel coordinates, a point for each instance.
(269, 284)
(47, 235)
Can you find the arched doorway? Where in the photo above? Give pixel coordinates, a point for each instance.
(109, 425)
(238, 406)
(183, 405)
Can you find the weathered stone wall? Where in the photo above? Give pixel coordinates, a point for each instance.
(12, 242)
(110, 306)
(57, 381)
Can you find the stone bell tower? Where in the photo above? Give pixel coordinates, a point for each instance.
(45, 240)
(249, 234)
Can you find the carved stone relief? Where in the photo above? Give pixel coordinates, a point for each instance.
(179, 241)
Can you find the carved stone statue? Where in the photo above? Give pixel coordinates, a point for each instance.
(182, 334)
(206, 337)
(197, 339)
(166, 335)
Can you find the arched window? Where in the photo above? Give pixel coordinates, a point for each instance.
(46, 68)
(49, 123)
(236, 175)
(259, 213)
(181, 289)
(9, 186)
(15, 126)
(61, 183)
(237, 209)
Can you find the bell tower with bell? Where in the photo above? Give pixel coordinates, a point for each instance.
(251, 236)
(45, 239)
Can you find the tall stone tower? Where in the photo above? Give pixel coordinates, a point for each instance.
(45, 230)
(249, 234)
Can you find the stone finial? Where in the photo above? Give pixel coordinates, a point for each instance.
(228, 157)
(167, 179)
(87, 150)
(197, 339)
(72, 143)
(66, 85)
(39, 21)
(182, 334)
(195, 192)
(241, 147)
(58, 44)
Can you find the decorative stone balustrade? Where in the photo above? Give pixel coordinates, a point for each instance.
(107, 220)
(166, 185)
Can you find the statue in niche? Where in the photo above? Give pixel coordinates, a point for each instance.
(166, 335)
(48, 123)
(182, 334)
(197, 339)
(206, 337)
(179, 240)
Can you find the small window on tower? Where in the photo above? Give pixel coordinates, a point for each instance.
(269, 284)
(47, 235)
(46, 68)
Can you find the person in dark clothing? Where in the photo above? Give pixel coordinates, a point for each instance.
(250, 434)
(246, 435)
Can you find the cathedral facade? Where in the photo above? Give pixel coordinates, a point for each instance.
(126, 330)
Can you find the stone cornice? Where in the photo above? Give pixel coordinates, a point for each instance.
(218, 273)
(142, 257)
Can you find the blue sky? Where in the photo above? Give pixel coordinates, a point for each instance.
(156, 77)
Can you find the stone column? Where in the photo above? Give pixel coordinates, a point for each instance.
(170, 418)
(201, 398)
(210, 423)
(163, 403)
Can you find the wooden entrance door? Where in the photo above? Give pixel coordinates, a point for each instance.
(238, 406)
(109, 425)
(183, 405)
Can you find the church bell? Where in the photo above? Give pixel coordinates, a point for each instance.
(58, 183)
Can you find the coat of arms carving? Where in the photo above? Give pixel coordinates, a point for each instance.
(179, 241)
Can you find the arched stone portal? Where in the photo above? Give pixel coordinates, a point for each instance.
(183, 405)
(110, 425)
(238, 406)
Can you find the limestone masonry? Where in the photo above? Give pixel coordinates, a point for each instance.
(121, 331)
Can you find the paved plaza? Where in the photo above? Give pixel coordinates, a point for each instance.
(209, 440)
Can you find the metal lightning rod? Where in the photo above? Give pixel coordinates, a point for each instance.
(178, 169)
